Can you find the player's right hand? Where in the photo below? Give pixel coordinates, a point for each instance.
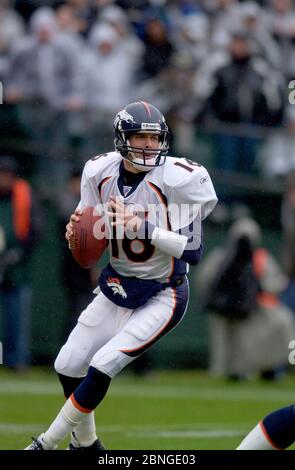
(69, 235)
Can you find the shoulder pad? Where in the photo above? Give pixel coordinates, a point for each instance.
(180, 171)
(101, 163)
(189, 183)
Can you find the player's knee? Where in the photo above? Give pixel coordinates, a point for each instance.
(71, 362)
(69, 384)
(110, 362)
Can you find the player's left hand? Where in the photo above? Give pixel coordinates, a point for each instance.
(120, 215)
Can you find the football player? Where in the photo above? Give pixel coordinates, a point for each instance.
(155, 206)
(275, 432)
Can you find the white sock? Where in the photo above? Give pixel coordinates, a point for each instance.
(68, 418)
(85, 432)
(257, 439)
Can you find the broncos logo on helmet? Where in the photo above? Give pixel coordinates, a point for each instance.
(145, 118)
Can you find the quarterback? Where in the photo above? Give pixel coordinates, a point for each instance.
(154, 206)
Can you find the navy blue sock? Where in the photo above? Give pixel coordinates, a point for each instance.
(92, 389)
(280, 426)
(69, 384)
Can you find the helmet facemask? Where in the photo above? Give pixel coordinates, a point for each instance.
(144, 159)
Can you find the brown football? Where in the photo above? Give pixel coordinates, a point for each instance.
(90, 240)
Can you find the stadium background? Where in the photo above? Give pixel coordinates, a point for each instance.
(192, 119)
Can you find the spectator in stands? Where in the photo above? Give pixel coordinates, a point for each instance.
(172, 91)
(109, 91)
(42, 67)
(26, 7)
(19, 228)
(191, 37)
(118, 19)
(256, 342)
(137, 5)
(281, 24)
(276, 156)
(85, 15)
(253, 20)
(67, 23)
(225, 14)
(247, 92)
(12, 28)
(106, 91)
(45, 80)
(158, 47)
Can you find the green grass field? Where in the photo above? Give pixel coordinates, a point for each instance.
(165, 410)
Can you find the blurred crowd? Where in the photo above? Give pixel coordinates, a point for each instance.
(249, 296)
(220, 72)
(217, 66)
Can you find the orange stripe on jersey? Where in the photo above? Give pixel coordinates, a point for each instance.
(79, 407)
(158, 332)
(264, 431)
(102, 183)
(147, 108)
(156, 189)
(160, 195)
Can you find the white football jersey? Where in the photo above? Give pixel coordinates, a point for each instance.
(179, 183)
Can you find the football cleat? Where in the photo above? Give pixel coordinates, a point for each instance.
(36, 445)
(40, 444)
(95, 447)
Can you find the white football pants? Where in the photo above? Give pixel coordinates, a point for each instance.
(109, 337)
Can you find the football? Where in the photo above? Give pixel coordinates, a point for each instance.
(90, 240)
